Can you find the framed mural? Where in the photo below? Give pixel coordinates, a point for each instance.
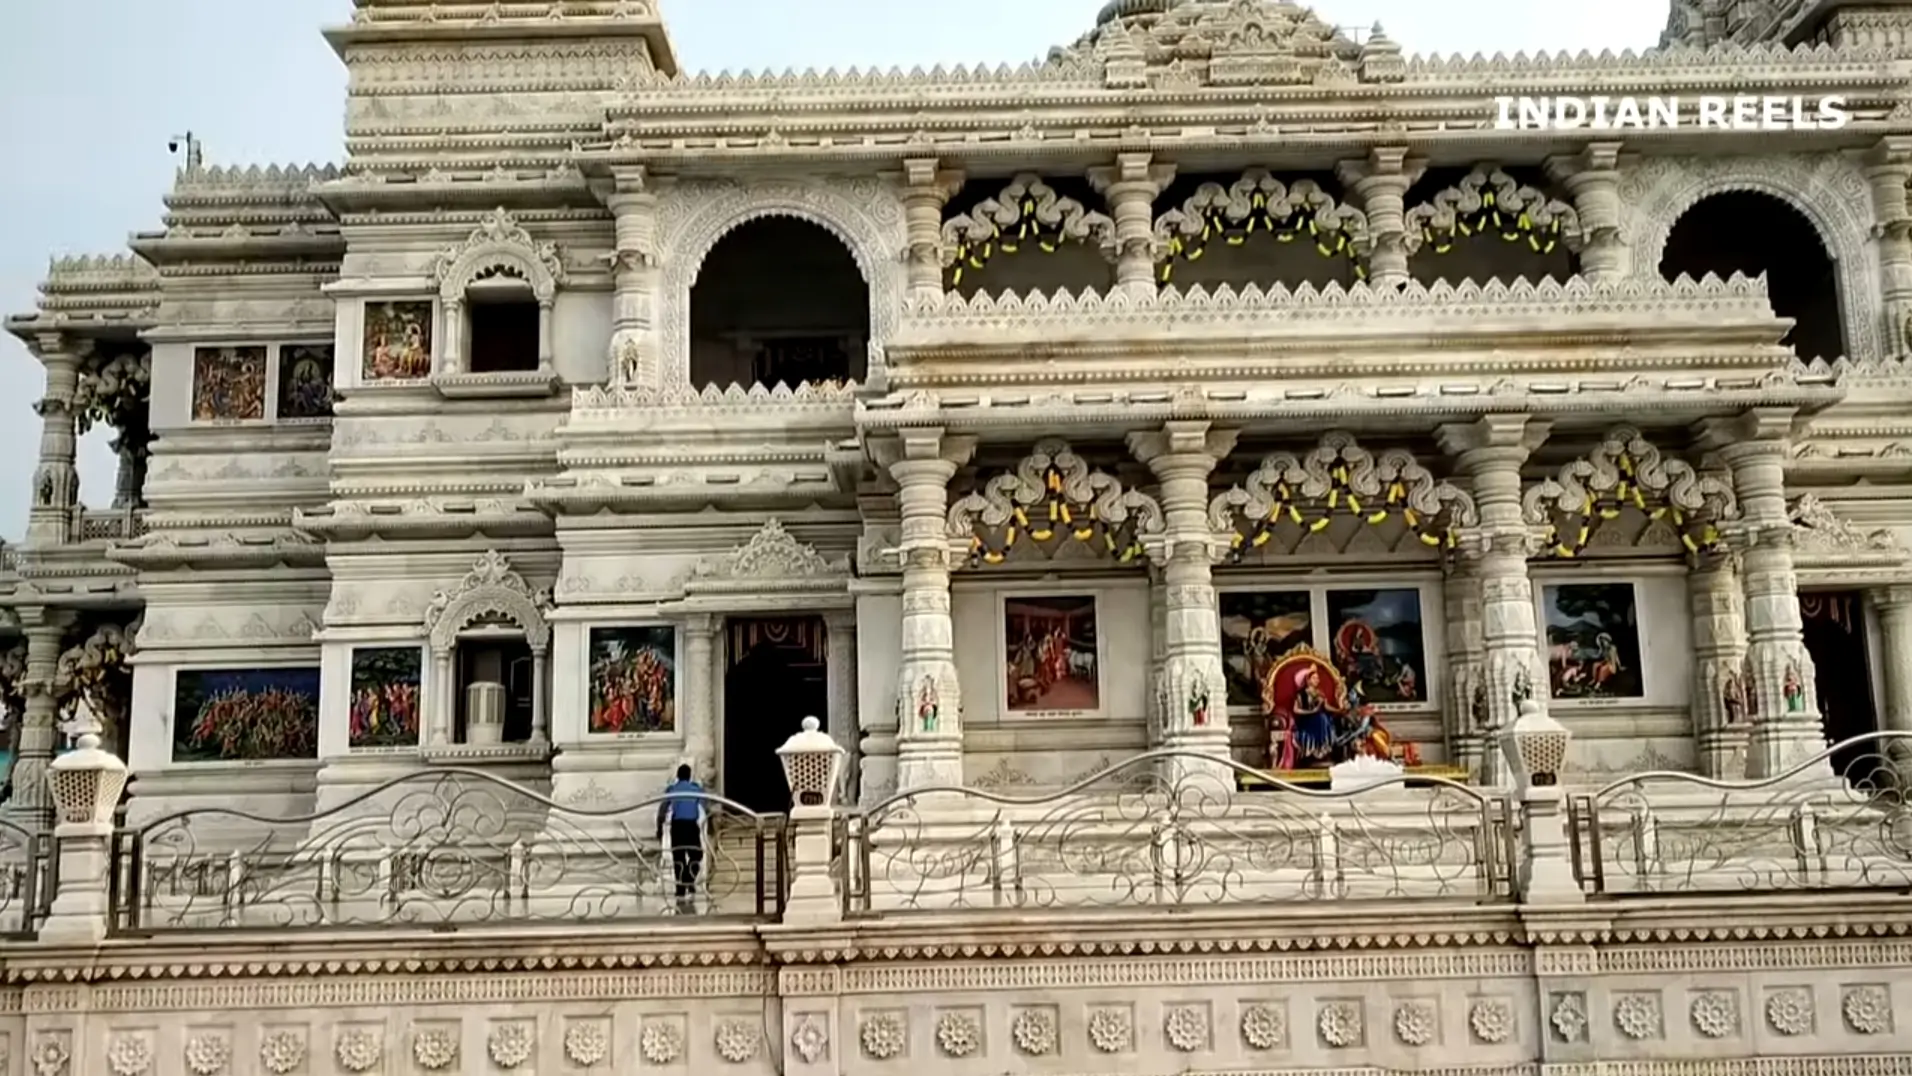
(1052, 654)
(1259, 627)
(385, 707)
(633, 678)
(245, 715)
(1378, 644)
(229, 384)
(397, 341)
(1593, 641)
(305, 381)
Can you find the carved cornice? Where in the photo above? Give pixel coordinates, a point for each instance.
(1823, 542)
(355, 520)
(499, 245)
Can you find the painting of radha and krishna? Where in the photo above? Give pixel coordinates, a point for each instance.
(1320, 708)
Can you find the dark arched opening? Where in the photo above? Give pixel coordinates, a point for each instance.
(1751, 233)
(779, 300)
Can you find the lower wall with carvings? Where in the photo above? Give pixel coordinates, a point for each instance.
(1682, 988)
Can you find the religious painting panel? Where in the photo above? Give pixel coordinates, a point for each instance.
(398, 341)
(386, 682)
(229, 384)
(1315, 721)
(1593, 641)
(1378, 643)
(245, 715)
(1259, 627)
(305, 381)
(1050, 647)
(633, 675)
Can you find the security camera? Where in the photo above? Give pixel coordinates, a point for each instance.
(173, 146)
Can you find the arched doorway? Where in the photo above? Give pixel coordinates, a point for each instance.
(775, 675)
(1751, 233)
(779, 300)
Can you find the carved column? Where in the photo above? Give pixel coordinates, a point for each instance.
(1895, 646)
(1719, 655)
(442, 709)
(1131, 187)
(1191, 691)
(701, 673)
(1491, 452)
(929, 701)
(56, 482)
(46, 629)
(1467, 740)
(631, 196)
(927, 188)
(1888, 167)
(840, 664)
(452, 343)
(1779, 675)
(1381, 183)
(1158, 656)
(1593, 178)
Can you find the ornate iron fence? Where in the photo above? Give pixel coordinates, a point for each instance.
(1169, 828)
(29, 871)
(445, 849)
(1667, 832)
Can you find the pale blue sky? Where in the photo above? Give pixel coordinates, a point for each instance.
(90, 91)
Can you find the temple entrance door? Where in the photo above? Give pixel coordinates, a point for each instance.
(774, 677)
(1835, 631)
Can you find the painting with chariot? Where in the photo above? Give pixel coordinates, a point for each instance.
(1050, 650)
(633, 679)
(1258, 628)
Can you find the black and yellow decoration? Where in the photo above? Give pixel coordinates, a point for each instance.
(1028, 215)
(1054, 519)
(1312, 513)
(1571, 529)
(1516, 214)
(1256, 205)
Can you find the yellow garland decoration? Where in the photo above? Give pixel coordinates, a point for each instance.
(1695, 535)
(1341, 500)
(1053, 517)
(1048, 239)
(1299, 221)
(1489, 219)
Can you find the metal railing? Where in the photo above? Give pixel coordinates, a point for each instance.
(29, 873)
(1807, 828)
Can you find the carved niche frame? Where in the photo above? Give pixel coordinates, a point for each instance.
(499, 255)
(492, 590)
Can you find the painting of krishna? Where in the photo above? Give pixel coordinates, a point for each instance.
(1315, 719)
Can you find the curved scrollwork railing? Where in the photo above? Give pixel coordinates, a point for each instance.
(443, 849)
(27, 866)
(1669, 832)
(1169, 828)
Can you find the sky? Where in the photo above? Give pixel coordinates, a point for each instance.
(91, 91)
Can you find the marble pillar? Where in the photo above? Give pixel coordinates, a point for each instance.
(1779, 673)
(839, 640)
(453, 347)
(1490, 453)
(631, 196)
(926, 187)
(701, 672)
(1130, 187)
(1465, 713)
(1158, 656)
(1888, 168)
(32, 803)
(1593, 178)
(1894, 604)
(1191, 688)
(1719, 657)
(56, 481)
(929, 700)
(1380, 183)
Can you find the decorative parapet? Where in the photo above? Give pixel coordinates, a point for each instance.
(1824, 542)
(92, 290)
(593, 403)
(249, 183)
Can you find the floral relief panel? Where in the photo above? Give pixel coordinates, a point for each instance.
(1378, 643)
(305, 381)
(229, 384)
(245, 715)
(398, 341)
(1259, 628)
(385, 696)
(1593, 641)
(1050, 650)
(633, 679)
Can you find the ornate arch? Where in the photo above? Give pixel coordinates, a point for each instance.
(1828, 190)
(1339, 477)
(1258, 201)
(1026, 211)
(499, 245)
(864, 215)
(1488, 199)
(491, 589)
(1623, 471)
(1053, 496)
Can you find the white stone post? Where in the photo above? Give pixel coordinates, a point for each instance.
(540, 695)
(87, 783)
(813, 768)
(1191, 687)
(839, 642)
(547, 347)
(631, 196)
(1159, 704)
(926, 188)
(441, 707)
(1534, 746)
(1593, 178)
(1490, 452)
(700, 695)
(1780, 678)
(929, 700)
(451, 350)
(32, 803)
(1895, 644)
(1131, 187)
(1381, 183)
(1719, 657)
(56, 482)
(1465, 715)
(1888, 168)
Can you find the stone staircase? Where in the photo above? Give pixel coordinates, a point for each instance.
(730, 868)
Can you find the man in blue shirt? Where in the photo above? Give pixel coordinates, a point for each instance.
(683, 808)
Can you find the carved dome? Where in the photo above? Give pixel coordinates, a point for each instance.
(1124, 9)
